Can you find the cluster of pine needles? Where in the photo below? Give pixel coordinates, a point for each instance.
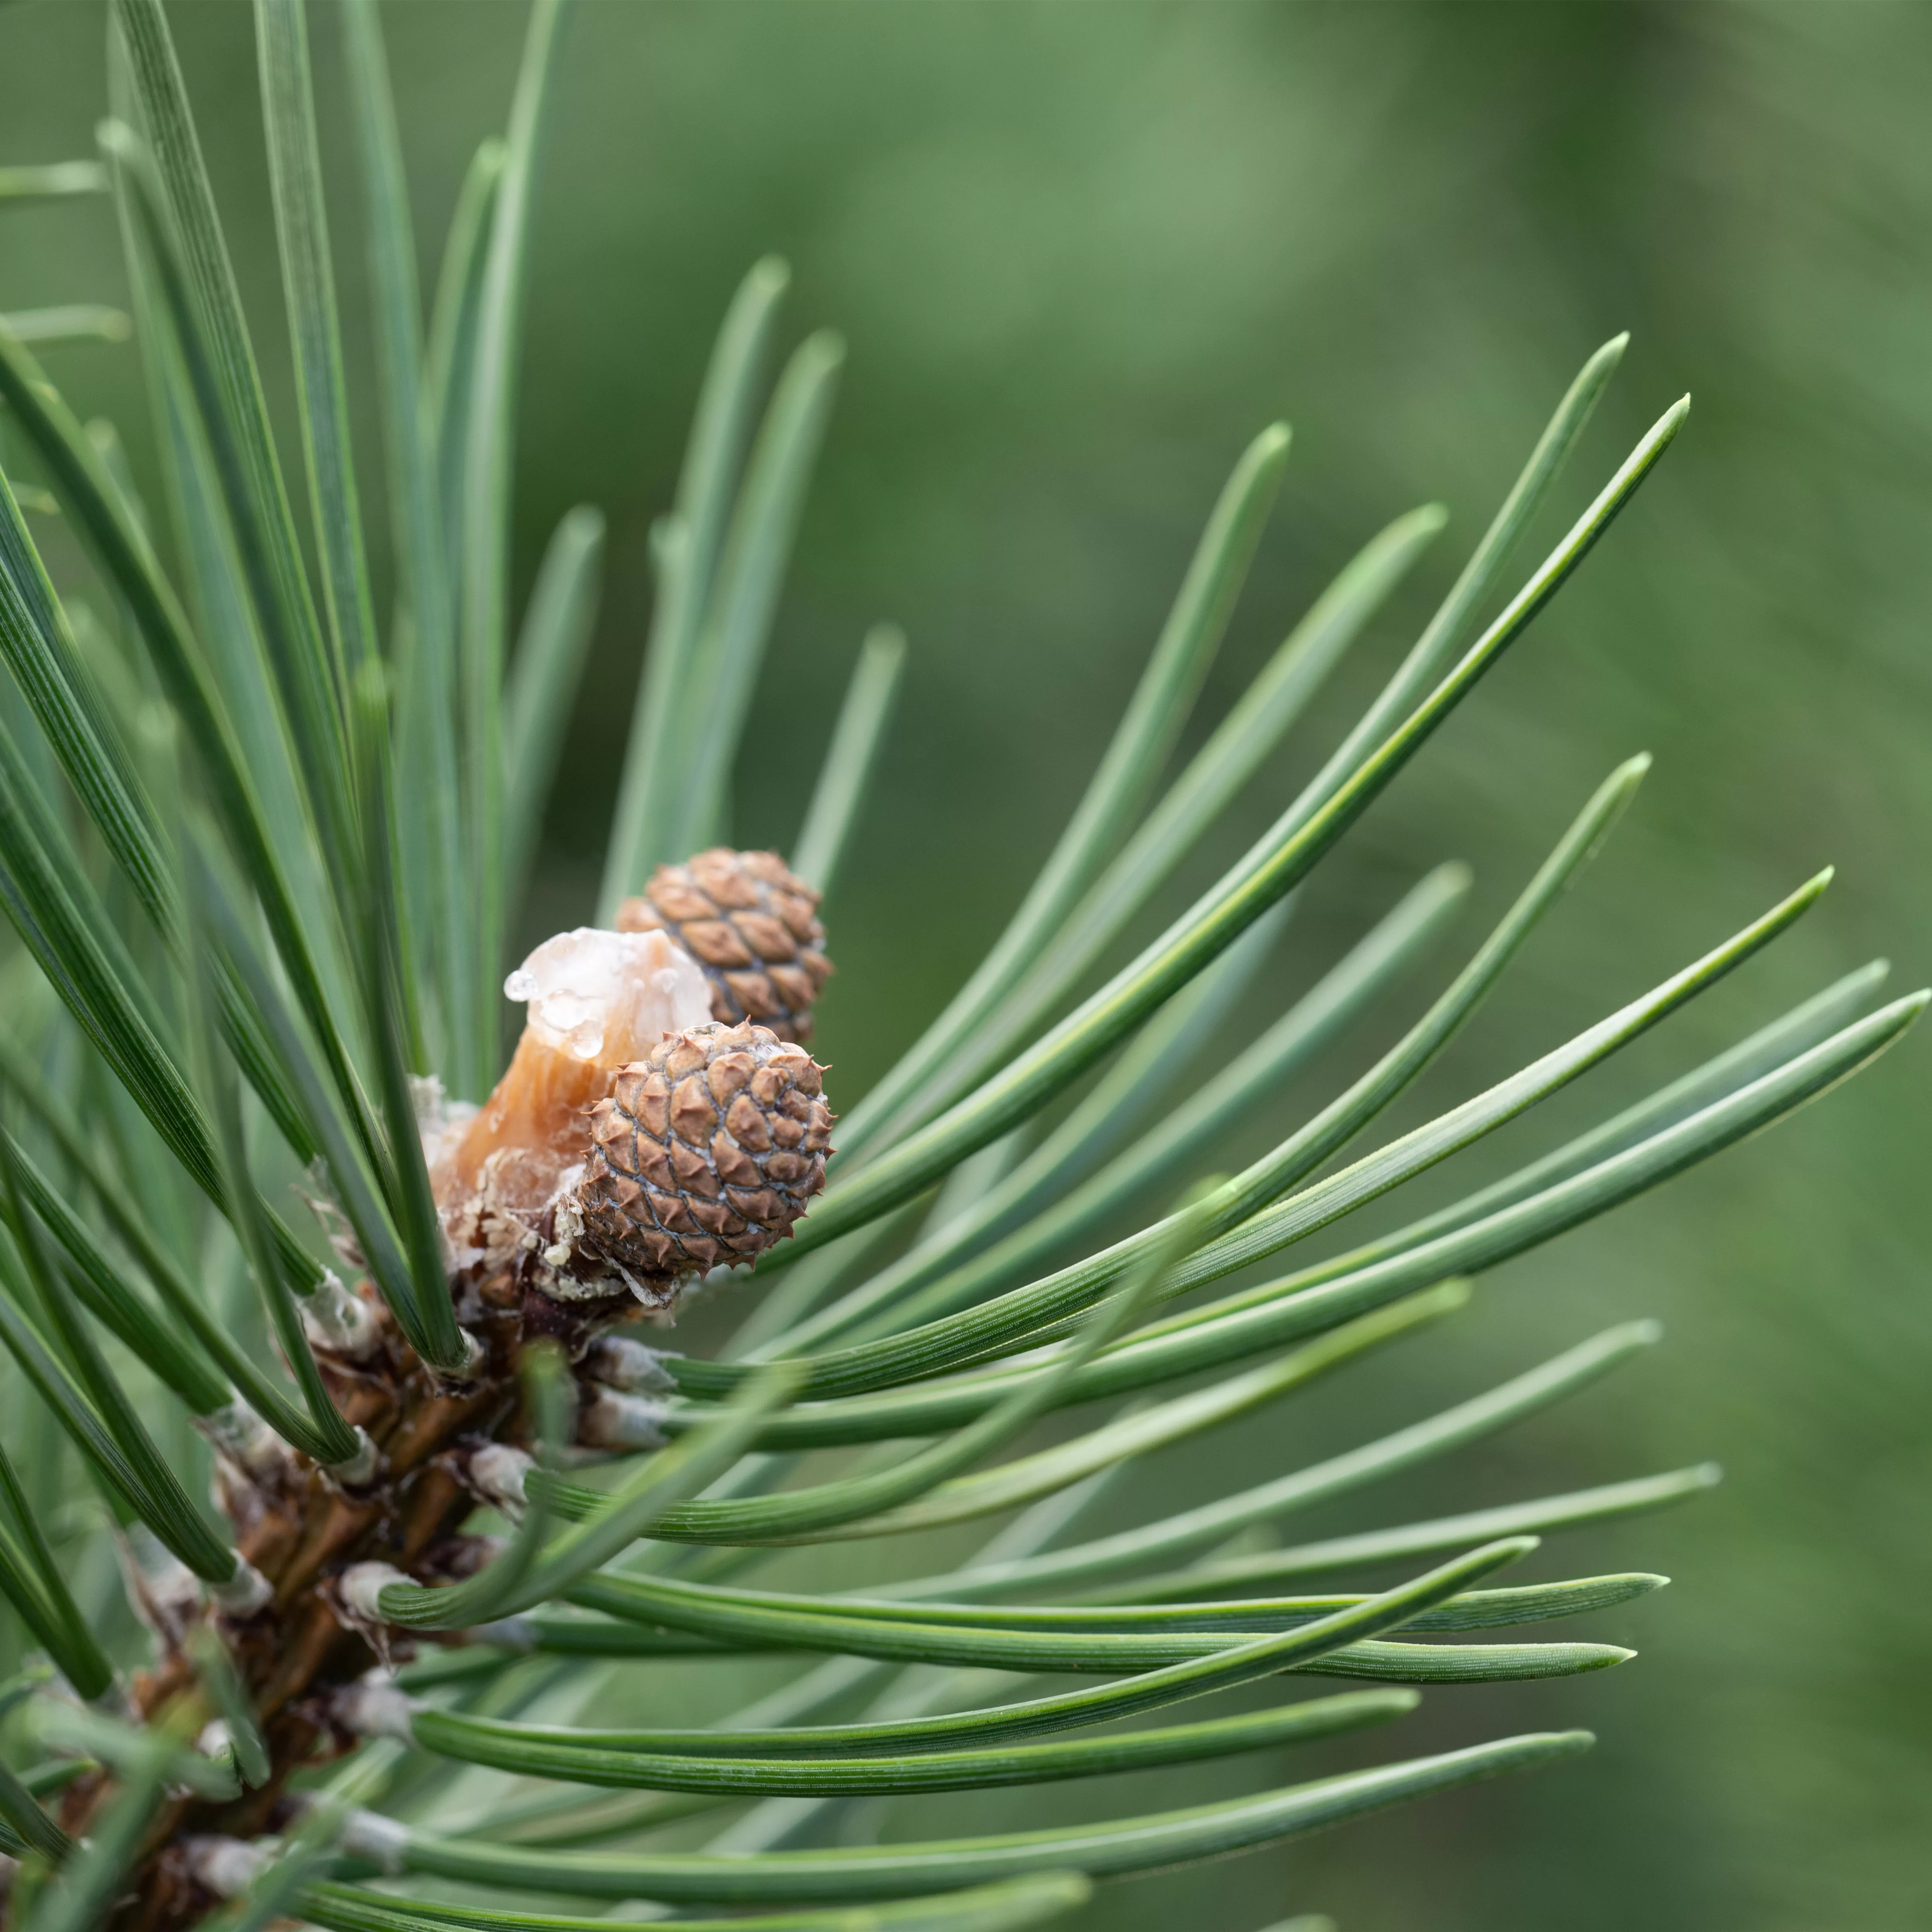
(259, 847)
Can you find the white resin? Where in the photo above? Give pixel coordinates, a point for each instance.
(375, 1706)
(228, 1866)
(332, 1317)
(360, 1468)
(590, 985)
(368, 1834)
(609, 1419)
(362, 1584)
(496, 1472)
(244, 1593)
(619, 1363)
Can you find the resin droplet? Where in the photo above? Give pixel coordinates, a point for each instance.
(597, 1000)
(590, 989)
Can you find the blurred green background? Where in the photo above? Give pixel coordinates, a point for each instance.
(1081, 252)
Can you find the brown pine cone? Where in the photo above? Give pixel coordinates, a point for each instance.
(752, 925)
(707, 1151)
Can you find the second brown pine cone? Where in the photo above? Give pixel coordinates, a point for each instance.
(752, 925)
(707, 1151)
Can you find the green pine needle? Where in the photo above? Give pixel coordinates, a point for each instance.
(263, 826)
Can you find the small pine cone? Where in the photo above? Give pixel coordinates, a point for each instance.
(707, 1151)
(752, 925)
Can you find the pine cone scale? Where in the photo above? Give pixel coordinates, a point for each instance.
(766, 936)
(715, 943)
(747, 1125)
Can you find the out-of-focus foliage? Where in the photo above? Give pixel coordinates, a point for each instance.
(1079, 253)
